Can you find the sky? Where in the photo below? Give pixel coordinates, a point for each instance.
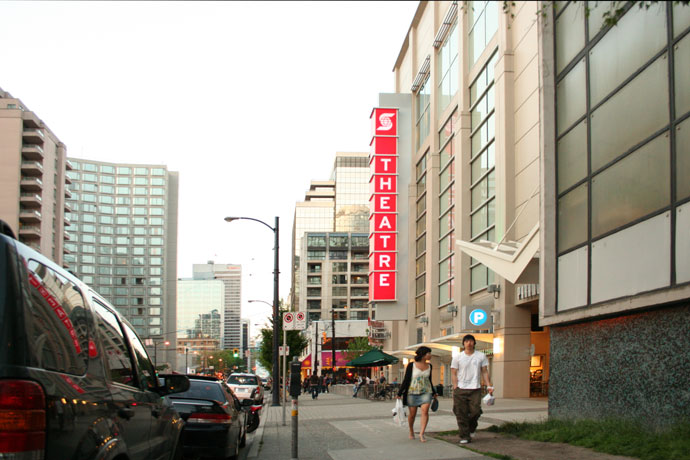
(248, 101)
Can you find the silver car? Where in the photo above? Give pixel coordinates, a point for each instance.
(247, 386)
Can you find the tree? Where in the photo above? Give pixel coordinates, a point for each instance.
(228, 363)
(357, 347)
(295, 341)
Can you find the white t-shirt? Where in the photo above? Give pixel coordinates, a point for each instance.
(469, 369)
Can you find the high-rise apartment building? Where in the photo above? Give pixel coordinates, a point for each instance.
(231, 276)
(124, 244)
(33, 163)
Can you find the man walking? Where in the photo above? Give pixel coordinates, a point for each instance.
(468, 370)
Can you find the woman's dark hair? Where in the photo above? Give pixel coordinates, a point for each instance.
(421, 353)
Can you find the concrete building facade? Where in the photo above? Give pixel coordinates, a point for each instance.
(33, 163)
(547, 168)
(124, 242)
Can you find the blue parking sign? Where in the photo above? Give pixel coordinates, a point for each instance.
(478, 317)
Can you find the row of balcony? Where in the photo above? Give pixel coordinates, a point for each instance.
(33, 136)
(33, 152)
(32, 168)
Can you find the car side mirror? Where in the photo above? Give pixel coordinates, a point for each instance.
(174, 383)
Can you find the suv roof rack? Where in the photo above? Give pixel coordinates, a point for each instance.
(5, 229)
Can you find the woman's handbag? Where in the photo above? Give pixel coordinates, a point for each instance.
(434, 405)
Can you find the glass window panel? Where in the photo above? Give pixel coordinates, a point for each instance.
(572, 157)
(447, 222)
(446, 199)
(614, 131)
(447, 176)
(420, 265)
(570, 94)
(682, 75)
(420, 283)
(617, 200)
(477, 37)
(491, 217)
(491, 16)
(683, 160)
(638, 36)
(479, 221)
(480, 193)
(681, 18)
(421, 246)
(572, 218)
(445, 246)
(595, 17)
(570, 34)
(478, 277)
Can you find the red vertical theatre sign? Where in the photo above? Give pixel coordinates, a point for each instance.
(383, 205)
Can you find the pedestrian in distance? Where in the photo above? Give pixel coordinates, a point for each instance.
(417, 390)
(467, 371)
(358, 384)
(382, 379)
(314, 383)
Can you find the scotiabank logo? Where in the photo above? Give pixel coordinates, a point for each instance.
(385, 122)
(383, 205)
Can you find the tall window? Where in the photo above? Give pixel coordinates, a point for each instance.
(622, 120)
(420, 252)
(482, 168)
(483, 21)
(448, 69)
(423, 111)
(446, 247)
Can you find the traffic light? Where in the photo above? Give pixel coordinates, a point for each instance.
(235, 353)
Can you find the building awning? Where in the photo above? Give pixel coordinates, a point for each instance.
(515, 262)
(326, 359)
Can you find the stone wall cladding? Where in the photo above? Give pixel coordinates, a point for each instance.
(635, 366)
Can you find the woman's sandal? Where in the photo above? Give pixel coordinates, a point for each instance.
(422, 438)
(411, 435)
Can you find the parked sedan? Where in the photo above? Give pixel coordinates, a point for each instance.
(216, 424)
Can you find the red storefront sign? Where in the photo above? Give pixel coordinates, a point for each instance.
(383, 205)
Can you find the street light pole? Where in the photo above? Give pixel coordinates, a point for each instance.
(186, 360)
(275, 392)
(333, 345)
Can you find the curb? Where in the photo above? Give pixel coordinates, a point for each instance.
(259, 435)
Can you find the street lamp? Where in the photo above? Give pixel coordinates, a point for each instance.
(276, 326)
(186, 360)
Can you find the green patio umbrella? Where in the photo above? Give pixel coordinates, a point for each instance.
(373, 358)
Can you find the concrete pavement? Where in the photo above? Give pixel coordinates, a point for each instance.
(340, 427)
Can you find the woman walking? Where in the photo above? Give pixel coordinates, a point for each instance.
(417, 390)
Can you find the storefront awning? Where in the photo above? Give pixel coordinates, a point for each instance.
(326, 359)
(516, 262)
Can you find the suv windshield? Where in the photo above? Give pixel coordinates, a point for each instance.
(242, 380)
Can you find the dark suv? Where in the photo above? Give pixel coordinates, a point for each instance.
(75, 380)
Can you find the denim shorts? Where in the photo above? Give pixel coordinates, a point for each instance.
(418, 400)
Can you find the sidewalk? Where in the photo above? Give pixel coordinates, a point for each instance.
(341, 427)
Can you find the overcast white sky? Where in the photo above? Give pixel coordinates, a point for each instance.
(249, 101)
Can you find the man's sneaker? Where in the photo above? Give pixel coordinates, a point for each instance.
(464, 441)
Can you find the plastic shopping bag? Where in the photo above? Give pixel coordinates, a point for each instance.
(489, 399)
(399, 413)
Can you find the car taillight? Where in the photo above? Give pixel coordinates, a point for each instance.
(22, 419)
(205, 417)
